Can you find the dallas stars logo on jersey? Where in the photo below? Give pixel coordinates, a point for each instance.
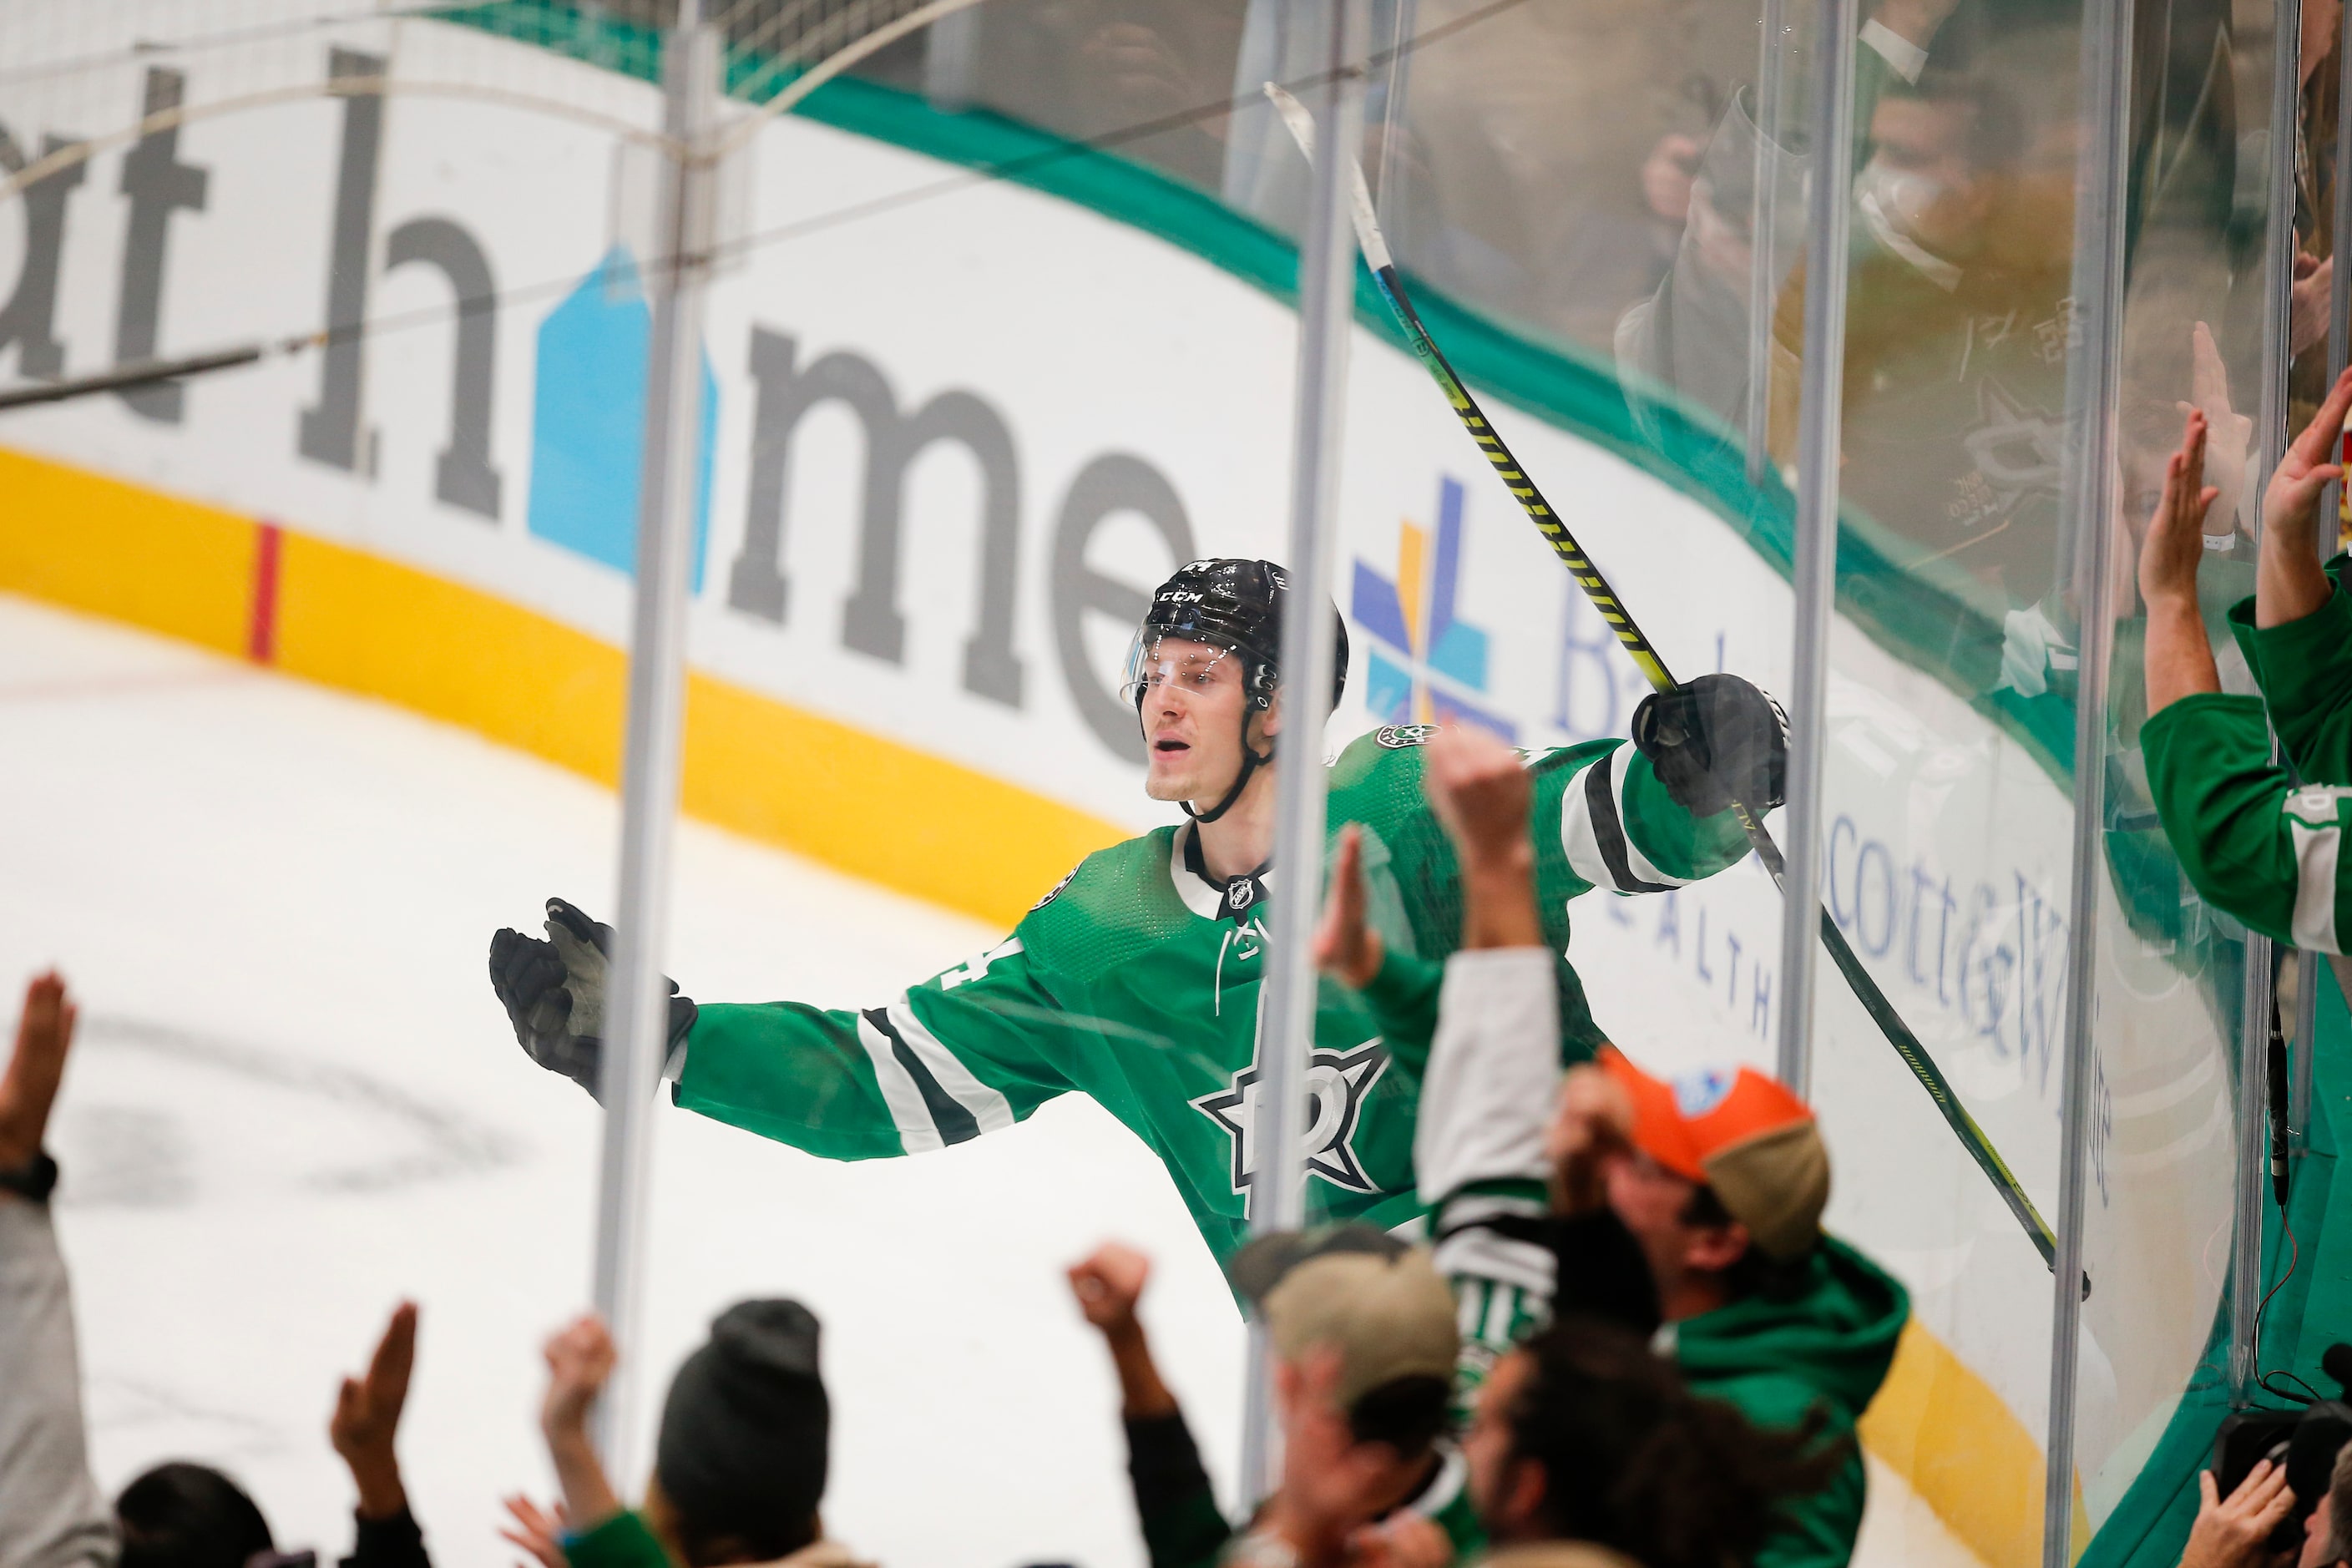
(1336, 1082)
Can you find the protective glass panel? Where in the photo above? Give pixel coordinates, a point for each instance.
(1948, 813)
(2174, 1016)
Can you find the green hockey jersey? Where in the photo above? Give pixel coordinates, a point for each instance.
(2252, 839)
(1136, 981)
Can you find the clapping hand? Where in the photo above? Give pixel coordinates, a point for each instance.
(1347, 948)
(367, 1417)
(29, 1088)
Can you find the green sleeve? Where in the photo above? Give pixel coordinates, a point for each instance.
(2304, 670)
(1619, 829)
(1817, 1529)
(971, 1050)
(2253, 845)
(621, 1542)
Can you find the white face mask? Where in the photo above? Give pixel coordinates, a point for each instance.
(1902, 196)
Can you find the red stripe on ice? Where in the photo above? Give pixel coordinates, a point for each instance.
(261, 630)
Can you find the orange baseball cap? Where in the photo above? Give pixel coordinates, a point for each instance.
(1742, 1133)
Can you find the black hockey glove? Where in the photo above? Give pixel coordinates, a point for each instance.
(1713, 740)
(554, 992)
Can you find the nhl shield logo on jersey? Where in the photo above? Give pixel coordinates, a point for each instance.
(1397, 737)
(1337, 1083)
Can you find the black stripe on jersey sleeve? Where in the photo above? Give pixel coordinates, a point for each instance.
(955, 1124)
(1608, 833)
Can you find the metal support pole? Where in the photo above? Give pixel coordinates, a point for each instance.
(638, 1016)
(1818, 432)
(2304, 1032)
(1286, 1032)
(2092, 372)
(2252, 1170)
(1763, 225)
(2250, 1176)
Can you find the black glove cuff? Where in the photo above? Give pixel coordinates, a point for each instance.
(36, 1179)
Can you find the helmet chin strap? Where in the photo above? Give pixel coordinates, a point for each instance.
(1250, 761)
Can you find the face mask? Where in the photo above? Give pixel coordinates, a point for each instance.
(1902, 198)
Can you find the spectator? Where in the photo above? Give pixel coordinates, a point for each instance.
(1584, 1436)
(739, 1465)
(1719, 1180)
(177, 1515)
(2259, 840)
(1173, 1500)
(1363, 1328)
(51, 1515)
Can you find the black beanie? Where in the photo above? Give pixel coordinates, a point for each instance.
(743, 1433)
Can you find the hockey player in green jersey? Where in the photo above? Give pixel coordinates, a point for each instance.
(1135, 979)
(2260, 840)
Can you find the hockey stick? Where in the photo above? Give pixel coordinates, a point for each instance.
(1654, 668)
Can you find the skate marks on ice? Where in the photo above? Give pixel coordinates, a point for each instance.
(161, 1117)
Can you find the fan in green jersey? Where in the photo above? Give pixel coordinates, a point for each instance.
(2258, 840)
(1135, 979)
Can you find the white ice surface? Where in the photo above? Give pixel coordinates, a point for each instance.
(296, 1101)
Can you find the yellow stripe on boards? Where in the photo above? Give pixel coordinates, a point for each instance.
(1941, 1427)
(874, 808)
(174, 566)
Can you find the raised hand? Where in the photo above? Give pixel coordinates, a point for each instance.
(2293, 499)
(2235, 1531)
(367, 1417)
(1481, 795)
(580, 1359)
(2231, 432)
(2175, 542)
(537, 1531)
(29, 1086)
(1347, 948)
(1593, 1121)
(1109, 1284)
(2288, 583)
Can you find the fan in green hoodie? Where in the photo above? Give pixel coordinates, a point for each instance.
(1719, 1178)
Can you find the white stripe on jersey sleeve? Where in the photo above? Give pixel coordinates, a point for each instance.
(1477, 1253)
(990, 1109)
(916, 1133)
(1640, 863)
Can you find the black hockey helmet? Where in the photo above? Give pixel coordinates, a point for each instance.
(1235, 604)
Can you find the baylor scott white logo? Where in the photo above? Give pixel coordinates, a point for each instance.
(1337, 1083)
